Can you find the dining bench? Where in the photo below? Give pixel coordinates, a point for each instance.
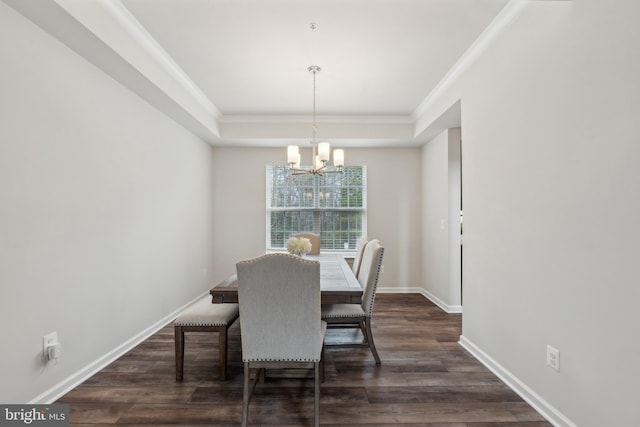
(203, 316)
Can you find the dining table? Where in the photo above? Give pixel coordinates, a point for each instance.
(338, 284)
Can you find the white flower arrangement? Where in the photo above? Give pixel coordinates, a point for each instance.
(299, 246)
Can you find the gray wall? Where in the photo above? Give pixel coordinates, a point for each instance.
(550, 124)
(441, 258)
(107, 205)
(105, 212)
(393, 204)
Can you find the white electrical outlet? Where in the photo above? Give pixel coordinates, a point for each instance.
(553, 358)
(50, 346)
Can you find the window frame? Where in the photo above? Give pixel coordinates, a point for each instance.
(315, 207)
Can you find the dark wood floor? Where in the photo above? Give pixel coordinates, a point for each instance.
(426, 379)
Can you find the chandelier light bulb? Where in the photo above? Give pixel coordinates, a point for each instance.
(293, 154)
(324, 151)
(338, 157)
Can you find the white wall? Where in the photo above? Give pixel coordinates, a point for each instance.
(105, 211)
(441, 220)
(551, 118)
(435, 208)
(454, 206)
(393, 179)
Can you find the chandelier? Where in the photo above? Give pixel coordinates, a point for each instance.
(320, 151)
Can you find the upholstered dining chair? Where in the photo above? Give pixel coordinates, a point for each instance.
(314, 239)
(359, 315)
(357, 260)
(280, 325)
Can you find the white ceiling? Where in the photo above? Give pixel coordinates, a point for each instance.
(234, 72)
(378, 57)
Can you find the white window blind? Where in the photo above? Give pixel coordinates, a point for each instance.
(332, 205)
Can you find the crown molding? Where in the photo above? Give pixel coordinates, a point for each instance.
(137, 32)
(304, 118)
(118, 29)
(508, 13)
(107, 35)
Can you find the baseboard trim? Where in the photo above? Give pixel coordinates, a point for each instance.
(71, 382)
(405, 290)
(451, 309)
(527, 394)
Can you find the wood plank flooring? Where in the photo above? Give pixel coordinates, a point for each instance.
(426, 379)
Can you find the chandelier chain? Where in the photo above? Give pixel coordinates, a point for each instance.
(313, 126)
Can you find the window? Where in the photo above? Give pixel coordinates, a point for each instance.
(333, 205)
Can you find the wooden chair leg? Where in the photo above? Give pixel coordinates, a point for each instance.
(245, 396)
(316, 403)
(369, 338)
(322, 365)
(222, 342)
(179, 344)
